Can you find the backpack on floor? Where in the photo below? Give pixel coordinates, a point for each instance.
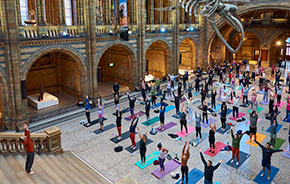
(156, 162)
(118, 148)
(153, 131)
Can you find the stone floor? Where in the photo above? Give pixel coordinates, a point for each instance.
(98, 150)
(107, 88)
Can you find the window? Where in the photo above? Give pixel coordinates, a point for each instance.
(68, 12)
(288, 47)
(24, 11)
(44, 12)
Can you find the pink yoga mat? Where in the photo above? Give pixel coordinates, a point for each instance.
(166, 126)
(168, 167)
(257, 121)
(218, 147)
(233, 99)
(281, 104)
(240, 115)
(183, 133)
(129, 118)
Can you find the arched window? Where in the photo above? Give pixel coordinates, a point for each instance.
(68, 12)
(24, 11)
(288, 47)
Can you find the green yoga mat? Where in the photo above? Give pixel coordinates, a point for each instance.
(149, 160)
(152, 121)
(258, 109)
(279, 142)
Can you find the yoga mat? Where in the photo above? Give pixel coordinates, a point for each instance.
(287, 153)
(182, 100)
(260, 138)
(245, 105)
(204, 136)
(208, 105)
(243, 157)
(166, 126)
(124, 136)
(263, 180)
(156, 106)
(288, 121)
(195, 94)
(226, 129)
(196, 101)
(218, 147)
(140, 114)
(123, 111)
(193, 176)
(279, 142)
(264, 103)
(281, 104)
(228, 111)
(108, 127)
(204, 125)
(258, 109)
(240, 116)
(217, 107)
(93, 122)
(277, 130)
(168, 167)
(183, 133)
(148, 141)
(169, 108)
(149, 160)
(174, 116)
(257, 121)
(152, 121)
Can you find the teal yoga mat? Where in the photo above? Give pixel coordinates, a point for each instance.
(152, 121)
(149, 160)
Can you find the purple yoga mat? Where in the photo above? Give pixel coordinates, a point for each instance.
(169, 166)
(264, 103)
(182, 100)
(167, 126)
(140, 114)
(287, 153)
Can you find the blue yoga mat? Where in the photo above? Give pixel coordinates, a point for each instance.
(226, 129)
(263, 180)
(288, 121)
(277, 130)
(243, 157)
(156, 106)
(217, 107)
(108, 127)
(228, 111)
(195, 94)
(174, 116)
(169, 108)
(149, 160)
(193, 176)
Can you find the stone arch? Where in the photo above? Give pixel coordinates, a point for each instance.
(275, 35)
(165, 42)
(194, 49)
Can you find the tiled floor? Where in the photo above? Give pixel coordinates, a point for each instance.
(98, 150)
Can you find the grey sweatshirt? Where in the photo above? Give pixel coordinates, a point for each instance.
(197, 120)
(246, 91)
(273, 128)
(253, 120)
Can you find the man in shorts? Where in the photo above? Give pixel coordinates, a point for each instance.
(253, 125)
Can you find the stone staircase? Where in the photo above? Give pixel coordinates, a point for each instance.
(65, 168)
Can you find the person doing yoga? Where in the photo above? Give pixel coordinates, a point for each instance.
(183, 121)
(236, 139)
(161, 156)
(184, 158)
(143, 139)
(211, 137)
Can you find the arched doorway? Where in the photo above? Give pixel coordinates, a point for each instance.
(61, 78)
(115, 65)
(280, 47)
(157, 56)
(187, 55)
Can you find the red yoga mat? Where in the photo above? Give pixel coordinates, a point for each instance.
(218, 147)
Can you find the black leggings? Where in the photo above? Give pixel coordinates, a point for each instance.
(213, 104)
(278, 99)
(184, 171)
(223, 120)
(198, 131)
(204, 114)
(235, 111)
(88, 117)
(233, 94)
(196, 88)
(273, 142)
(142, 154)
(183, 123)
(211, 142)
(245, 98)
(153, 100)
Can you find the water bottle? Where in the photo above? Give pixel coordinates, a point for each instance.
(262, 128)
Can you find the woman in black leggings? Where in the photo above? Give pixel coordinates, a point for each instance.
(224, 117)
(204, 112)
(211, 137)
(213, 95)
(183, 119)
(143, 139)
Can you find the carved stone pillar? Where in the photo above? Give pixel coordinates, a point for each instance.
(60, 13)
(18, 13)
(160, 18)
(151, 10)
(169, 13)
(107, 12)
(40, 13)
(140, 63)
(173, 67)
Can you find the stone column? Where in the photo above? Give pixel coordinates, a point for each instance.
(173, 67)
(63, 12)
(107, 12)
(18, 13)
(40, 13)
(17, 114)
(182, 15)
(151, 10)
(160, 18)
(169, 13)
(60, 13)
(202, 48)
(140, 63)
(135, 12)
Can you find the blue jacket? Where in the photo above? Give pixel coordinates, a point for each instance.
(87, 105)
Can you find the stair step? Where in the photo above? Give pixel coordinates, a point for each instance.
(8, 171)
(48, 170)
(65, 169)
(56, 169)
(74, 169)
(35, 177)
(18, 169)
(4, 179)
(86, 167)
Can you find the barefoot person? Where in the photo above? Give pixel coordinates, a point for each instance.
(143, 139)
(208, 169)
(132, 105)
(267, 154)
(87, 109)
(118, 122)
(253, 124)
(211, 137)
(27, 142)
(161, 157)
(197, 125)
(147, 111)
(101, 117)
(184, 159)
(132, 131)
(236, 139)
(162, 117)
(183, 121)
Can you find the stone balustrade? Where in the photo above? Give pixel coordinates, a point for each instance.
(49, 140)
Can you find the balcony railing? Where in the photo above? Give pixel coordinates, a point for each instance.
(272, 21)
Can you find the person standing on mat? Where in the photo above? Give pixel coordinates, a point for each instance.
(172, 79)
(208, 169)
(253, 125)
(211, 137)
(213, 100)
(157, 84)
(236, 139)
(147, 111)
(162, 97)
(87, 109)
(29, 147)
(190, 107)
(143, 139)
(204, 112)
(279, 91)
(203, 94)
(161, 156)
(189, 90)
(267, 154)
(245, 93)
(184, 158)
(287, 109)
(197, 84)
(183, 121)
(118, 122)
(132, 105)
(236, 105)
(197, 125)
(179, 88)
(176, 102)
(132, 131)
(117, 98)
(271, 103)
(224, 117)
(273, 132)
(116, 88)
(184, 79)
(143, 93)
(266, 92)
(101, 117)
(162, 117)
(153, 97)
